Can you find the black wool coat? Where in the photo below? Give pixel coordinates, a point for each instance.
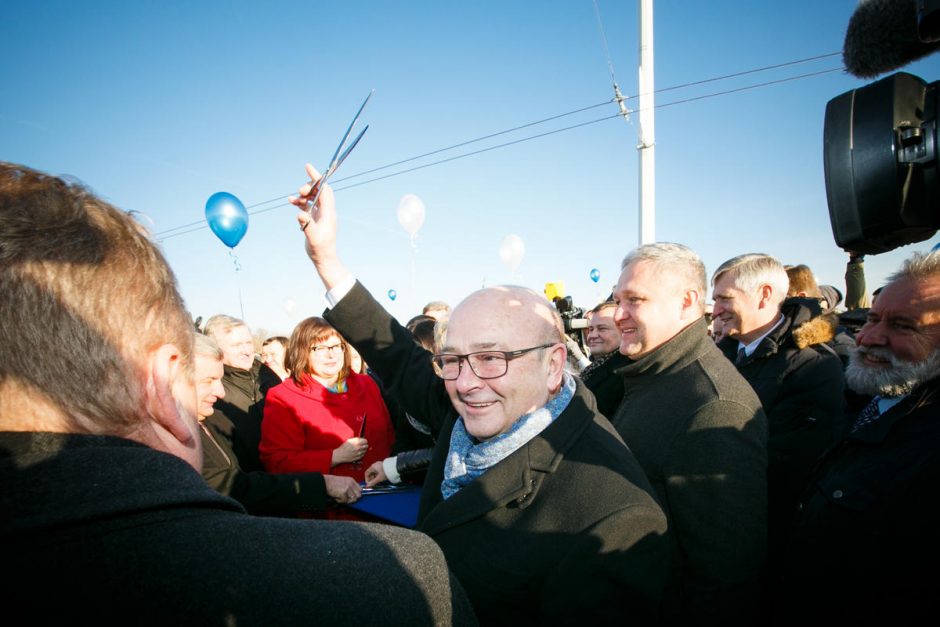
(865, 545)
(799, 380)
(100, 530)
(698, 430)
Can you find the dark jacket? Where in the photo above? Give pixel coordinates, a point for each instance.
(698, 431)
(800, 383)
(600, 377)
(237, 417)
(561, 531)
(259, 492)
(101, 530)
(865, 546)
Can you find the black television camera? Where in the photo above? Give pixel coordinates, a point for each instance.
(882, 166)
(880, 141)
(572, 317)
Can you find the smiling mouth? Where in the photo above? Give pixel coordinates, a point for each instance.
(478, 405)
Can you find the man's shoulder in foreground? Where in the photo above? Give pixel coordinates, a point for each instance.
(165, 548)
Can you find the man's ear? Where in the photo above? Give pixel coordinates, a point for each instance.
(765, 296)
(556, 367)
(690, 304)
(165, 371)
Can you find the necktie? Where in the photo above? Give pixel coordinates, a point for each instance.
(870, 414)
(741, 358)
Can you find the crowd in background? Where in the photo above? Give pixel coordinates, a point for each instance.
(761, 456)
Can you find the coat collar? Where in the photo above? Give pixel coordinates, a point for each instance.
(878, 431)
(518, 477)
(685, 347)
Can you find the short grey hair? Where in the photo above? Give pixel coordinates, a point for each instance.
(752, 270)
(918, 267)
(674, 259)
(207, 347)
(221, 324)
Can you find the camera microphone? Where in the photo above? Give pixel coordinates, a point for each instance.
(885, 35)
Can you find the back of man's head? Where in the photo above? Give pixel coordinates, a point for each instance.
(802, 282)
(87, 297)
(436, 309)
(749, 272)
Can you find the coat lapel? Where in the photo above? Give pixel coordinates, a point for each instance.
(516, 478)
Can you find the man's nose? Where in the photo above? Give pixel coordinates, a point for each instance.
(872, 334)
(466, 379)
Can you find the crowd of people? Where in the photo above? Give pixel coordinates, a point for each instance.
(762, 459)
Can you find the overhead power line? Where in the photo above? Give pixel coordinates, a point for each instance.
(201, 225)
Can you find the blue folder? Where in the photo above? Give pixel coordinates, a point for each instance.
(397, 504)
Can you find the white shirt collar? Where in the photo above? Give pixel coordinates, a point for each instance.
(750, 348)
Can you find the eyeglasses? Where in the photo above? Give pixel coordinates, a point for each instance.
(484, 364)
(328, 350)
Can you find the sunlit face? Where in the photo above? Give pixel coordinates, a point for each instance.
(327, 357)
(737, 310)
(238, 347)
(652, 307)
(496, 319)
(209, 388)
(602, 336)
(905, 320)
(272, 355)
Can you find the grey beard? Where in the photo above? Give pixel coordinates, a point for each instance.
(900, 379)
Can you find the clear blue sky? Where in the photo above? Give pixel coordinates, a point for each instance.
(158, 105)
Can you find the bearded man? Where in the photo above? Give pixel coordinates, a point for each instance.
(866, 533)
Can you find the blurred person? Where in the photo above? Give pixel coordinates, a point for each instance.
(273, 351)
(541, 510)
(603, 341)
(259, 492)
(718, 330)
(237, 417)
(324, 418)
(866, 529)
(803, 284)
(102, 500)
(855, 296)
(781, 347)
(439, 310)
(698, 430)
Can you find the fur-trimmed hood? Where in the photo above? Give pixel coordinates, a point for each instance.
(809, 325)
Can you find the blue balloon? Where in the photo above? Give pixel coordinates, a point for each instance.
(227, 218)
(392, 294)
(595, 274)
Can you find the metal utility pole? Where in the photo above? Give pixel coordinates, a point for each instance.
(647, 127)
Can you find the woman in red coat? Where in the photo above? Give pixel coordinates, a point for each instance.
(323, 418)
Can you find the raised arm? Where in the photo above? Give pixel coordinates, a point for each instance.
(389, 348)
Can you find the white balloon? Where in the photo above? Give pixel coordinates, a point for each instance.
(410, 213)
(289, 306)
(511, 251)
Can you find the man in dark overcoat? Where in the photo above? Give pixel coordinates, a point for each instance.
(542, 512)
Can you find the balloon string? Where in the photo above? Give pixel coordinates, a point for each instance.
(414, 250)
(238, 283)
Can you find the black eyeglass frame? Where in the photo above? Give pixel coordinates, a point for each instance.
(508, 356)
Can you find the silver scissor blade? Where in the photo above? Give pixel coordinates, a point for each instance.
(349, 130)
(349, 149)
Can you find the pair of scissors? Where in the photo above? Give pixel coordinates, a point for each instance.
(342, 151)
